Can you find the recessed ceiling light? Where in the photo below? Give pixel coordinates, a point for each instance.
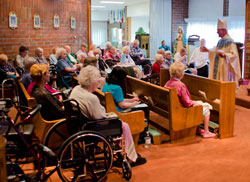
(98, 6)
(112, 2)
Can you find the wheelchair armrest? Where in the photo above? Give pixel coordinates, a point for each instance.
(102, 120)
(57, 93)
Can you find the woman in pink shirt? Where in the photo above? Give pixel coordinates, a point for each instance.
(177, 73)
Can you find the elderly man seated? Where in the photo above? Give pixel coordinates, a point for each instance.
(137, 56)
(70, 56)
(39, 56)
(82, 51)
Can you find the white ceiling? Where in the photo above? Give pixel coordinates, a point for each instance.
(113, 6)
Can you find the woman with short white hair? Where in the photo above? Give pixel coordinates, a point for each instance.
(156, 68)
(127, 61)
(92, 109)
(63, 64)
(177, 73)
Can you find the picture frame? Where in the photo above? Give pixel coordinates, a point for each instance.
(73, 22)
(37, 21)
(56, 22)
(12, 20)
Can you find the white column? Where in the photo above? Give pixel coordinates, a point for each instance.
(159, 24)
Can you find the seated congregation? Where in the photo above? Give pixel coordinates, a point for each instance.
(125, 74)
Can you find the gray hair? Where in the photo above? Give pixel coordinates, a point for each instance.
(125, 48)
(59, 52)
(158, 57)
(88, 76)
(168, 52)
(108, 44)
(28, 62)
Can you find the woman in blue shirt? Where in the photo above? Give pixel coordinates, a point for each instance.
(114, 85)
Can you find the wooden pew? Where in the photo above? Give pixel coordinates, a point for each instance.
(134, 119)
(41, 125)
(182, 121)
(224, 92)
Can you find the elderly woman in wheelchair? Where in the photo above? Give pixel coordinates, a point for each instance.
(103, 126)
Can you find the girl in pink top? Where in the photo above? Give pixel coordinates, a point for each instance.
(177, 73)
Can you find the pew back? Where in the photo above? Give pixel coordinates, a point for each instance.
(165, 102)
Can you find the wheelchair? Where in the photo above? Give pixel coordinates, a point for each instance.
(90, 147)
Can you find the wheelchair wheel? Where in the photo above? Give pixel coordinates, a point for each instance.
(126, 170)
(55, 137)
(85, 156)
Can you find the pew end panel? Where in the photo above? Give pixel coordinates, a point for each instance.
(227, 109)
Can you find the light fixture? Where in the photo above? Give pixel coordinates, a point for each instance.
(112, 2)
(98, 6)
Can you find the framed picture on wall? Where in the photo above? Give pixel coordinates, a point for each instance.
(56, 22)
(73, 22)
(12, 20)
(36, 21)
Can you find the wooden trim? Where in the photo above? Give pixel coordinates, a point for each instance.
(89, 22)
(3, 171)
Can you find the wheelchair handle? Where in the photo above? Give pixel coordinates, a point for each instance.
(3, 83)
(35, 110)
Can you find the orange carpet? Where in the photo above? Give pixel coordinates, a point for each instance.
(201, 160)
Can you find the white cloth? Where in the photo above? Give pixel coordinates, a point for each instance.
(199, 58)
(206, 107)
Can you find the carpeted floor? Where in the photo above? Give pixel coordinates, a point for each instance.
(201, 160)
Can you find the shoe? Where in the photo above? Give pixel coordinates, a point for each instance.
(139, 161)
(209, 135)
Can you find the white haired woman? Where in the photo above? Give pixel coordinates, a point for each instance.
(156, 68)
(91, 108)
(63, 64)
(127, 61)
(177, 73)
(39, 56)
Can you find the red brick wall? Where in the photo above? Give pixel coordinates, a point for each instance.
(247, 41)
(47, 36)
(179, 12)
